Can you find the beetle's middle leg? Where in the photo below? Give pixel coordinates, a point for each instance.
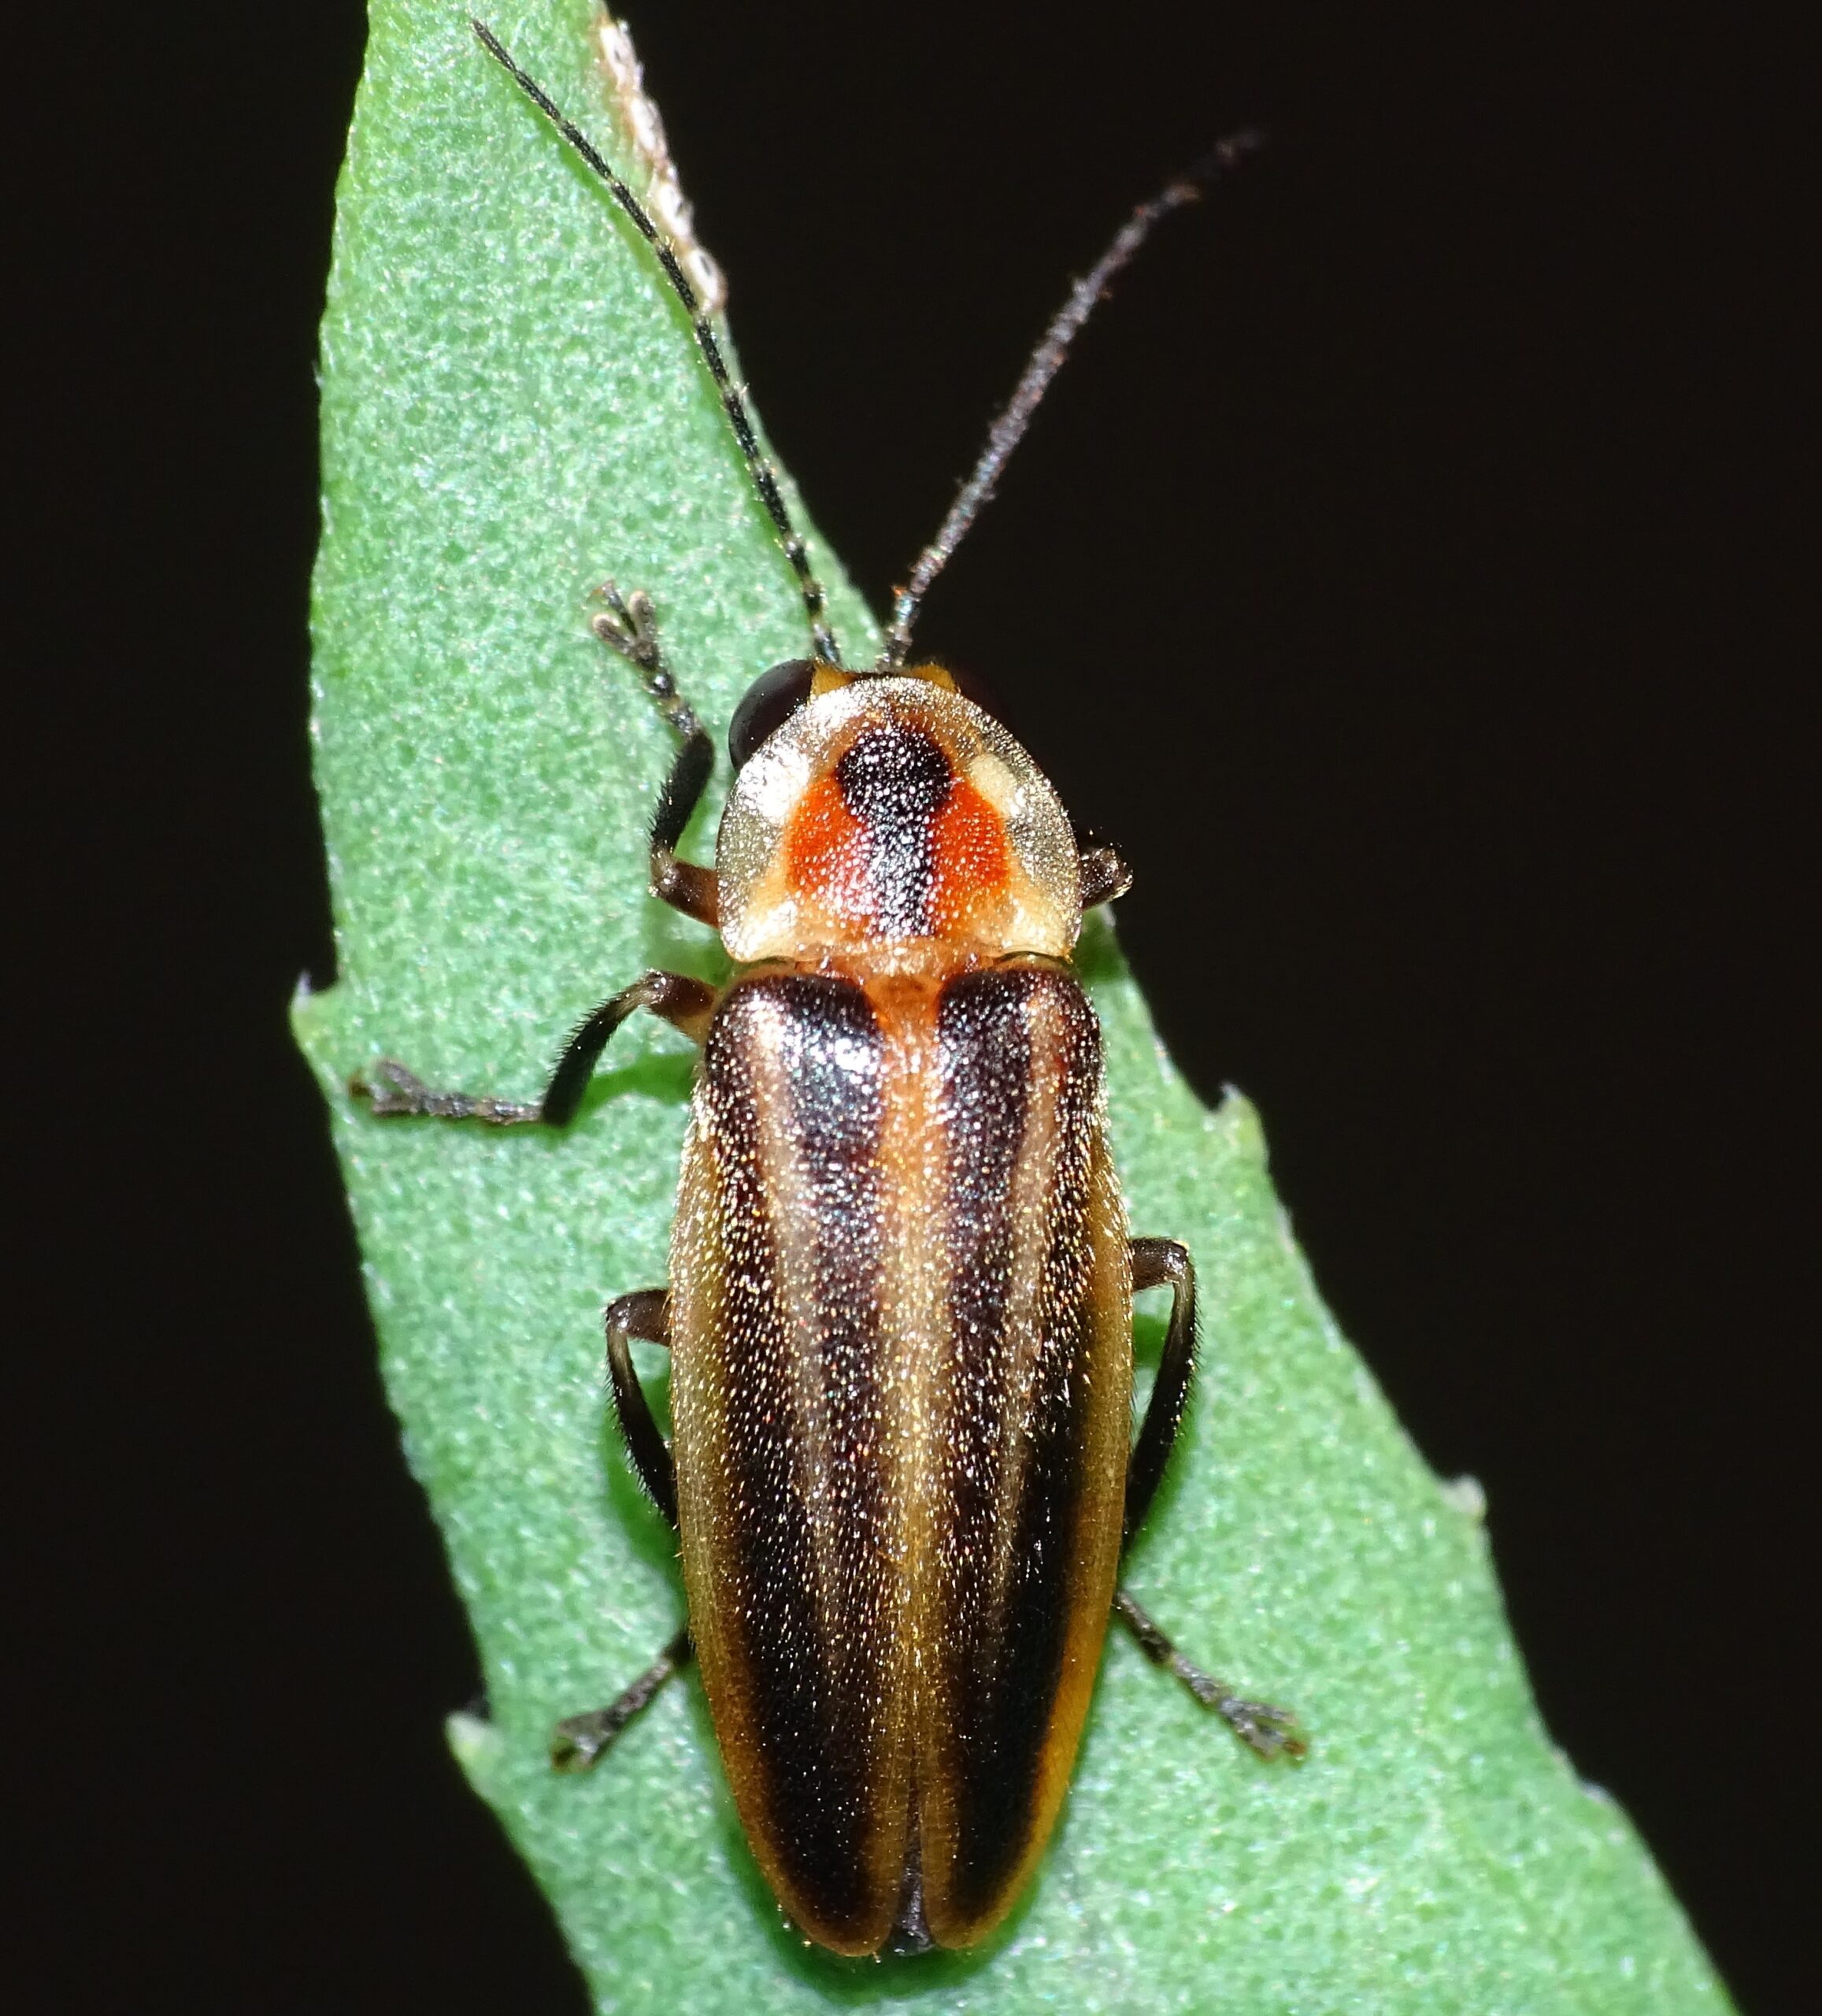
(1160, 1263)
(645, 1315)
(577, 1740)
(687, 1004)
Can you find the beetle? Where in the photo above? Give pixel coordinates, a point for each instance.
(902, 1470)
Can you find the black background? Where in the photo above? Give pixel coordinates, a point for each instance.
(1405, 573)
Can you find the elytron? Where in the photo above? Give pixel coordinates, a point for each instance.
(902, 1470)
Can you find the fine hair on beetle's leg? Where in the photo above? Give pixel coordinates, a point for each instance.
(577, 1740)
(685, 1003)
(395, 1093)
(732, 396)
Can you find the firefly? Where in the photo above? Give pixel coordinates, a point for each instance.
(901, 1471)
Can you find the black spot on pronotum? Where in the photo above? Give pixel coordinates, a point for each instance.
(894, 779)
(894, 776)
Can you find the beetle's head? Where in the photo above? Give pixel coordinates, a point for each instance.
(867, 808)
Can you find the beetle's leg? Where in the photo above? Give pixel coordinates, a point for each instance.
(1105, 876)
(1159, 1263)
(647, 1317)
(687, 1004)
(1272, 1732)
(577, 1740)
(630, 626)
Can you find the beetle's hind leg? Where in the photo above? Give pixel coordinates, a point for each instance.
(1271, 1731)
(577, 1740)
(645, 1317)
(1159, 1263)
(629, 625)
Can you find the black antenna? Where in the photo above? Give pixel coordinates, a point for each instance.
(1047, 360)
(733, 400)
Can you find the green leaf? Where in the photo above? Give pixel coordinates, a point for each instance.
(513, 410)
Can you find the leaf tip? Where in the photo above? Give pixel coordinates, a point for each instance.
(477, 1745)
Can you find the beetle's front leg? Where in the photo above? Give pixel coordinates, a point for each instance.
(577, 1740)
(1159, 1263)
(687, 1004)
(629, 624)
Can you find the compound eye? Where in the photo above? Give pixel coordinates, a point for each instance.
(771, 701)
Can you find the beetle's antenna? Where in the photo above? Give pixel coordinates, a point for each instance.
(1046, 361)
(733, 398)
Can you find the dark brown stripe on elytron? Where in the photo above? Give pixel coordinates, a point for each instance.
(984, 1046)
(895, 779)
(1004, 1648)
(797, 1610)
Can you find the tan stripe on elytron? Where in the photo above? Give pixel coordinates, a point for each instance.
(914, 1314)
(1034, 1187)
